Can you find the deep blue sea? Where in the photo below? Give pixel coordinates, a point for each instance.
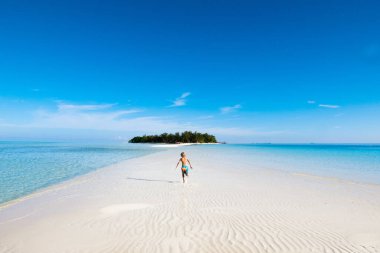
(28, 166)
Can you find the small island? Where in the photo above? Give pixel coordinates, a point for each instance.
(185, 137)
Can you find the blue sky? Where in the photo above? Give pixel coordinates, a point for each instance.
(246, 71)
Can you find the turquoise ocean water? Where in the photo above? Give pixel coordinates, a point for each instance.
(28, 166)
(357, 163)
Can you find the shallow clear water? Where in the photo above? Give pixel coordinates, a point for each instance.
(359, 163)
(28, 166)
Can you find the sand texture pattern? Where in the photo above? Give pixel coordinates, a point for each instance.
(228, 205)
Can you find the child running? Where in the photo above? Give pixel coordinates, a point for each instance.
(184, 167)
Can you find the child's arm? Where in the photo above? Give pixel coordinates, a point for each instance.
(190, 164)
(177, 164)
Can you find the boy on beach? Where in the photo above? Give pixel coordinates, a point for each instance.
(184, 167)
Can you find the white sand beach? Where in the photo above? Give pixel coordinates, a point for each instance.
(228, 205)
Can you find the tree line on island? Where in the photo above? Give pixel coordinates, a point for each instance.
(185, 137)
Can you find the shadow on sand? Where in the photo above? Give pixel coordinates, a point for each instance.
(152, 180)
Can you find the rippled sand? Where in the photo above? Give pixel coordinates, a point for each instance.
(228, 205)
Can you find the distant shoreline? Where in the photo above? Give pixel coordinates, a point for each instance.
(174, 145)
(175, 138)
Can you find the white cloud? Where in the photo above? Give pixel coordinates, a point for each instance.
(103, 117)
(206, 117)
(97, 121)
(229, 109)
(112, 123)
(82, 116)
(311, 102)
(180, 101)
(329, 106)
(83, 107)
